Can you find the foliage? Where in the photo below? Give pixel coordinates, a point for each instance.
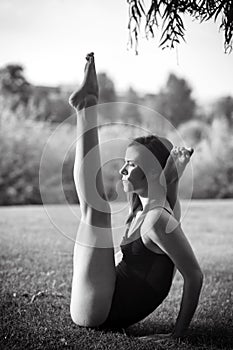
(27, 124)
(22, 140)
(107, 92)
(20, 149)
(212, 161)
(167, 15)
(131, 112)
(175, 101)
(193, 132)
(44, 102)
(213, 166)
(223, 107)
(107, 97)
(51, 105)
(14, 86)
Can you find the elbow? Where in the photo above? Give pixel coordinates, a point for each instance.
(199, 278)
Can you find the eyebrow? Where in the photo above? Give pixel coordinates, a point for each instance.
(129, 160)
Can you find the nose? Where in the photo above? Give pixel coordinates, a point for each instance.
(123, 171)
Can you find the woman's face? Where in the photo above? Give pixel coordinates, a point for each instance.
(134, 169)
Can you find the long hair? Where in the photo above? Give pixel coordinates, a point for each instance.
(160, 148)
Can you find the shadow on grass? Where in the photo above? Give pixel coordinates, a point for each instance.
(219, 336)
(202, 337)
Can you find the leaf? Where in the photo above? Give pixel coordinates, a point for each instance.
(135, 16)
(219, 9)
(164, 41)
(179, 20)
(141, 7)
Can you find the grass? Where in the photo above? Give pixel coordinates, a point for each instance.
(36, 266)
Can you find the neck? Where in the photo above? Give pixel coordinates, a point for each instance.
(155, 196)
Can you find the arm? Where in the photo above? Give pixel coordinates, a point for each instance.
(173, 200)
(177, 247)
(173, 170)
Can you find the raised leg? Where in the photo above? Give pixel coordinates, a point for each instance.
(93, 280)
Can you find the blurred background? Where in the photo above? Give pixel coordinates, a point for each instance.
(43, 46)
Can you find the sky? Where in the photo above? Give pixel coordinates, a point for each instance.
(50, 38)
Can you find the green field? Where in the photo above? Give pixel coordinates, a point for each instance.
(36, 266)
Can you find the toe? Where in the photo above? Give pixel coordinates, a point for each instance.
(179, 152)
(90, 56)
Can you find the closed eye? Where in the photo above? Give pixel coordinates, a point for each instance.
(128, 162)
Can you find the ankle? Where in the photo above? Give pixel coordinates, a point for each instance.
(91, 100)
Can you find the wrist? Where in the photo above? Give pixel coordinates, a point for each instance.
(179, 333)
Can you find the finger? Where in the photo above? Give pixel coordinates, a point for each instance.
(181, 156)
(179, 152)
(190, 150)
(90, 56)
(185, 154)
(174, 152)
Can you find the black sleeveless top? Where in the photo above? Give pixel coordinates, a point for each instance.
(147, 265)
(143, 280)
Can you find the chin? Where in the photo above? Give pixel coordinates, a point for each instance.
(127, 186)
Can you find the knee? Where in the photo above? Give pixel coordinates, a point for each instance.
(85, 319)
(100, 217)
(76, 319)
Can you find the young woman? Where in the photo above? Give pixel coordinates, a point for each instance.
(106, 293)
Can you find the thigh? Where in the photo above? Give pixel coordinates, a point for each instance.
(93, 274)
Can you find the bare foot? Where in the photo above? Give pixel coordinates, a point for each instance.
(176, 163)
(88, 94)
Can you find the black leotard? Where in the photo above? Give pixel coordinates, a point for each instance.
(143, 280)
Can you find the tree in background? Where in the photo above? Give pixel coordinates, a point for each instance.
(131, 111)
(175, 101)
(167, 15)
(13, 85)
(107, 94)
(51, 104)
(224, 108)
(38, 102)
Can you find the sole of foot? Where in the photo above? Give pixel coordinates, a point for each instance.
(87, 95)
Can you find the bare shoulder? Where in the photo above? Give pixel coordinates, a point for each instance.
(159, 216)
(166, 233)
(159, 221)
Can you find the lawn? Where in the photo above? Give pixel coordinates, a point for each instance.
(36, 267)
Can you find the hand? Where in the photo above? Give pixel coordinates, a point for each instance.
(176, 163)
